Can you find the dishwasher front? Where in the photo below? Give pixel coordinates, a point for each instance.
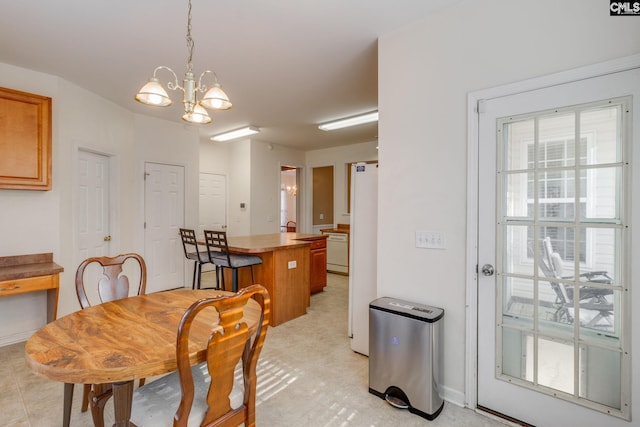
(338, 253)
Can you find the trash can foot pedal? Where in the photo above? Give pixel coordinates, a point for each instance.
(396, 398)
(396, 402)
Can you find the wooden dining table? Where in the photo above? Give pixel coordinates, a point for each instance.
(120, 341)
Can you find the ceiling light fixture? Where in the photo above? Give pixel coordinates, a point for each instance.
(152, 93)
(350, 121)
(238, 133)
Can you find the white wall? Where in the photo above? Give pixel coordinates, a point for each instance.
(43, 221)
(266, 160)
(253, 170)
(425, 72)
(338, 157)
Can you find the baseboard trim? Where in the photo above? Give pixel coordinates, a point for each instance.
(16, 338)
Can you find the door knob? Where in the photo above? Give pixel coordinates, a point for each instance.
(107, 238)
(487, 270)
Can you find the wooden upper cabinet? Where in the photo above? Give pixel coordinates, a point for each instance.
(25, 141)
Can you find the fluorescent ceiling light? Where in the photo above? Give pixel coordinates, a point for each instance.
(238, 133)
(350, 121)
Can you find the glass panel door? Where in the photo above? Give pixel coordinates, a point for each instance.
(560, 238)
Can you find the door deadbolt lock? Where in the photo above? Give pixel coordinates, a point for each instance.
(107, 238)
(488, 270)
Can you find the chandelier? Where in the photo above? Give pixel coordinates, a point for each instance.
(152, 93)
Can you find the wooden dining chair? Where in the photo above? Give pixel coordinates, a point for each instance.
(218, 251)
(222, 390)
(193, 252)
(112, 285)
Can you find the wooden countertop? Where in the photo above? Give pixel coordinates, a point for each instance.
(335, 230)
(340, 228)
(25, 266)
(270, 242)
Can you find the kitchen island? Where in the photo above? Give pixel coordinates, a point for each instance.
(291, 264)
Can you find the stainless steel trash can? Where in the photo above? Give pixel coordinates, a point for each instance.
(405, 355)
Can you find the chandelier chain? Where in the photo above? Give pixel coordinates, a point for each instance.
(190, 43)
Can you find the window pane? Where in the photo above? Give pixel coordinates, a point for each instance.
(518, 141)
(514, 347)
(516, 186)
(555, 312)
(556, 140)
(517, 302)
(556, 192)
(555, 364)
(517, 258)
(562, 241)
(602, 187)
(600, 135)
(600, 375)
(599, 312)
(602, 262)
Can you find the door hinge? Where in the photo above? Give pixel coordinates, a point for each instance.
(145, 227)
(146, 174)
(481, 106)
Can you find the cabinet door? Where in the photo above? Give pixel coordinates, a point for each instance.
(318, 270)
(25, 141)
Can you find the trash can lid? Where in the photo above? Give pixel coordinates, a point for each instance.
(407, 309)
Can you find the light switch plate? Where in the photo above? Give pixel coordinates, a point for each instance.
(430, 239)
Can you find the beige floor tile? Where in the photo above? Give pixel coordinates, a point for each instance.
(307, 376)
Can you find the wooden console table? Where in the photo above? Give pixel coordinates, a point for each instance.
(31, 273)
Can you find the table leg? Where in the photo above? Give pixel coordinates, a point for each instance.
(68, 398)
(122, 397)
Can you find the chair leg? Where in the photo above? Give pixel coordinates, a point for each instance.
(224, 286)
(85, 397)
(199, 273)
(234, 279)
(217, 277)
(195, 270)
(253, 281)
(68, 399)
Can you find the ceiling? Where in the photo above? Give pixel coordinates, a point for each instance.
(287, 65)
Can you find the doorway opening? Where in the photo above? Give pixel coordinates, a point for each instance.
(289, 193)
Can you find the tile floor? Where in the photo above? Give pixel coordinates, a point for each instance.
(307, 376)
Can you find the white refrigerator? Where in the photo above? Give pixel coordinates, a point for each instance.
(363, 253)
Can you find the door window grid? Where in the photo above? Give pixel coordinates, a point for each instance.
(552, 194)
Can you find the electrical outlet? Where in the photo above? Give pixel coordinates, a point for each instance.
(292, 264)
(430, 239)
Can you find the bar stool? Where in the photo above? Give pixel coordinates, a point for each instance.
(218, 250)
(192, 252)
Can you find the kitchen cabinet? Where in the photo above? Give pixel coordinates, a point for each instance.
(25, 141)
(318, 278)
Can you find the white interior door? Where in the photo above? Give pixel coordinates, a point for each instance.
(213, 202)
(92, 225)
(164, 215)
(539, 356)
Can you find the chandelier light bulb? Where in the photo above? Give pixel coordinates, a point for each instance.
(198, 116)
(153, 93)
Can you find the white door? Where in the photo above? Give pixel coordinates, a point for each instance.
(213, 202)
(546, 202)
(164, 215)
(92, 225)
